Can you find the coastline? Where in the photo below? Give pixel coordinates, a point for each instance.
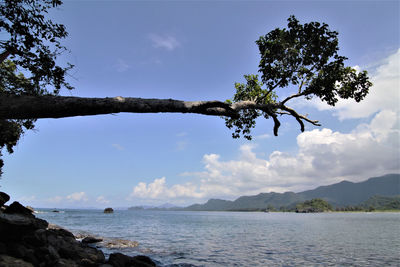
(26, 241)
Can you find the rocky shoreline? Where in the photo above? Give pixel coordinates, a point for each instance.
(27, 241)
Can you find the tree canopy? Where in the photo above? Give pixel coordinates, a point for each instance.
(301, 59)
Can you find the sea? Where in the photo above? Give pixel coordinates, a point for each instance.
(220, 239)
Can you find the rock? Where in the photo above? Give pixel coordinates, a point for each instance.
(121, 260)
(91, 239)
(121, 243)
(17, 208)
(108, 210)
(3, 198)
(144, 260)
(65, 263)
(30, 208)
(8, 261)
(27, 241)
(15, 226)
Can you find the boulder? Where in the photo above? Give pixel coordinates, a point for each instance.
(17, 208)
(121, 260)
(8, 261)
(108, 210)
(30, 208)
(27, 241)
(15, 226)
(91, 239)
(3, 198)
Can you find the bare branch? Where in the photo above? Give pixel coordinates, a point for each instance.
(292, 96)
(299, 117)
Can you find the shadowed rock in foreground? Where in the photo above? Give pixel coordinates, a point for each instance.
(29, 241)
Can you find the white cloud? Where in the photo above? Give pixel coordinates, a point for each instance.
(27, 199)
(181, 134)
(167, 42)
(384, 94)
(324, 157)
(118, 147)
(102, 200)
(262, 136)
(160, 191)
(121, 65)
(56, 199)
(77, 197)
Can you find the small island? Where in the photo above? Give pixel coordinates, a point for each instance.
(313, 205)
(108, 210)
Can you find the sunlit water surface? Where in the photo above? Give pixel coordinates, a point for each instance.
(245, 239)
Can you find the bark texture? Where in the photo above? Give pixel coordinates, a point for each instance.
(36, 107)
(27, 107)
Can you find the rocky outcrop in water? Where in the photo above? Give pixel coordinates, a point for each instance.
(29, 241)
(108, 210)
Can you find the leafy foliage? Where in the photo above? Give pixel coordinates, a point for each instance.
(304, 57)
(313, 205)
(28, 59)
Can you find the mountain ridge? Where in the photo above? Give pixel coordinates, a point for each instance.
(340, 194)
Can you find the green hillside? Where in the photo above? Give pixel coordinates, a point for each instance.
(338, 195)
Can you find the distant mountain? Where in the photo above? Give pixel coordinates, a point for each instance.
(348, 193)
(344, 193)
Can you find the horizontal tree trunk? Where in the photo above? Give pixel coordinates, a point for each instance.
(28, 107)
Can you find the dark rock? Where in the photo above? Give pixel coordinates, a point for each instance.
(121, 260)
(65, 263)
(17, 208)
(23, 252)
(8, 261)
(144, 260)
(108, 210)
(3, 198)
(27, 241)
(15, 226)
(91, 239)
(30, 208)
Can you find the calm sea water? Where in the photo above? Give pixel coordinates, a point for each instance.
(246, 239)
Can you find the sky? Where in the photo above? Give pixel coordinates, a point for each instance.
(197, 50)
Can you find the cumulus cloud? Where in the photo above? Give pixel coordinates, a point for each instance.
(77, 197)
(384, 94)
(159, 190)
(167, 42)
(102, 200)
(323, 157)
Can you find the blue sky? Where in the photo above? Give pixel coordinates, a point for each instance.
(197, 50)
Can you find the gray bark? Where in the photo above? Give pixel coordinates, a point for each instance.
(27, 107)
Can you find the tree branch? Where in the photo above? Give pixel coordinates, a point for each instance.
(299, 117)
(36, 107)
(4, 55)
(27, 107)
